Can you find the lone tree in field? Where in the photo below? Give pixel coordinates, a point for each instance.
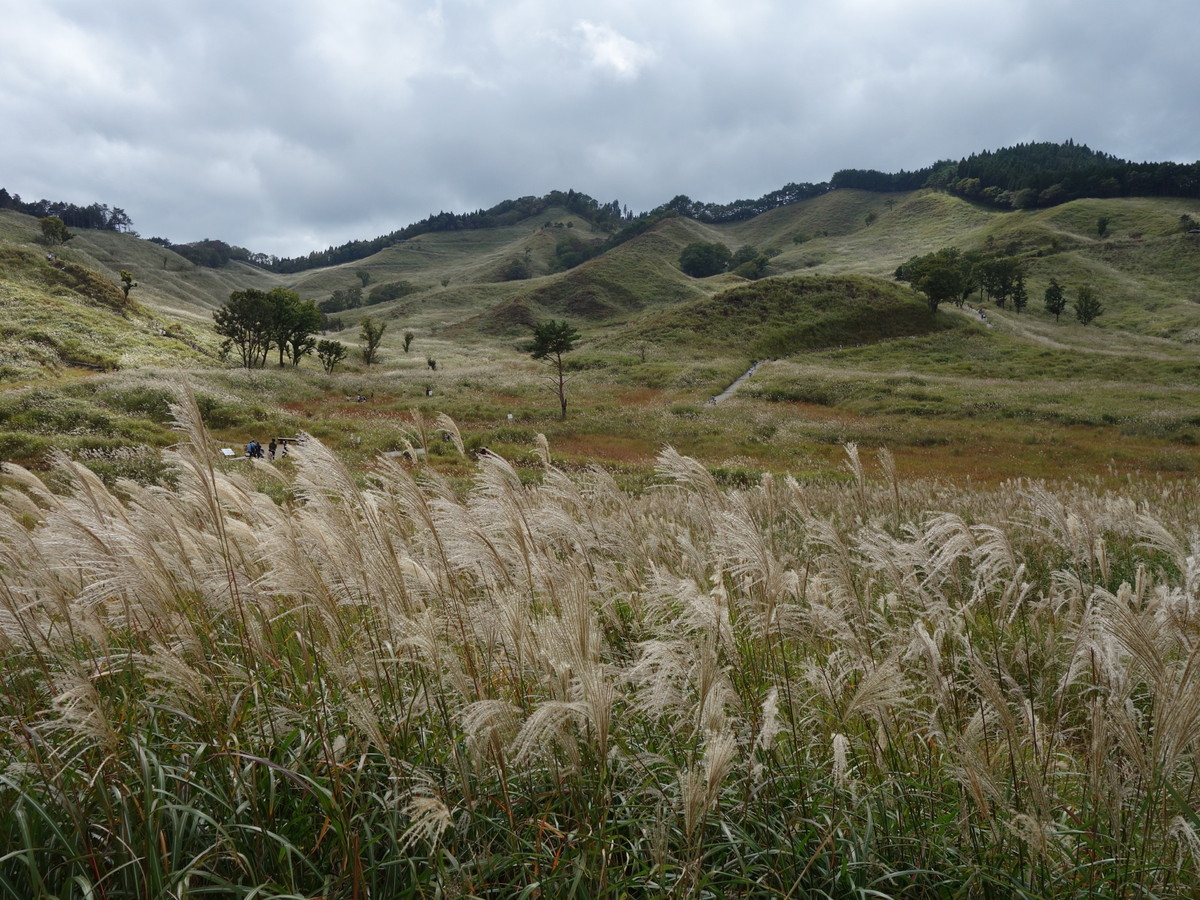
(551, 339)
(999, 277)
(701, 259)
(408, 339)
(127, 282)
(54, 232)
(1056, 298)
(371, 334)
(1087, 305)
(330, 353)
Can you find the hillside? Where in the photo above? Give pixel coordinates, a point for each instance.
(167, 283)
(1144, 266)
(60, 314)
(852, 354)
(779, 317)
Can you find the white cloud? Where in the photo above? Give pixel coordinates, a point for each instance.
(611, 51)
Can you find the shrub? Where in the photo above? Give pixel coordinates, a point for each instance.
(701, 259)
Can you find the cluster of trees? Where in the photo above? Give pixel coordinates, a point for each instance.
(741, 210)
(370, 334)
(700, 259)
(253, 322)
(1086, 306)
(342, 298)
(572, 252)
(97, 216)
(212, 254)
(516, 268)
(950, 275)
(353, 296)
(1035, 175)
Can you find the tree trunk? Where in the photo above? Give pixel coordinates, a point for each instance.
(562, 388)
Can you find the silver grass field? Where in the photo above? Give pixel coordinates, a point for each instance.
(402, 686)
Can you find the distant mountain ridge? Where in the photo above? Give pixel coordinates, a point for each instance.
(1024, 176)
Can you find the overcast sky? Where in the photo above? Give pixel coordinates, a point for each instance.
(286, 127)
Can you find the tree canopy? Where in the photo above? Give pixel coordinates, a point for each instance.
(330, 353)
(371, 334)
(1055, 299)
(54, 231)
(944, 275)
(701, 259)
(1087, 305)
(254, 321)
(246, 321)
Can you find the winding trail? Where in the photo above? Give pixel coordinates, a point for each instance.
(733, 388)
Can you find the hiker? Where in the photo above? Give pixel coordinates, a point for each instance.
(271, 447)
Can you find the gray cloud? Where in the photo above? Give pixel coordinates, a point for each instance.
(286, 127)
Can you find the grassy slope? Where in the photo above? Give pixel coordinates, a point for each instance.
(779, 317)
(62, 313)
(167, 282)
(657, 343)
(639, 274)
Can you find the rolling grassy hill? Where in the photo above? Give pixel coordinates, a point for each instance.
(855, 356)
(59, 314)
(779, 317)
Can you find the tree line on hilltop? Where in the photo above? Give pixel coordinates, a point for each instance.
(213, 254)
(1035, 175)
(1020, 177)
(98, 216)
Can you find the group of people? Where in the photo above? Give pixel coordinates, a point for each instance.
(982, 314)
(254, 450)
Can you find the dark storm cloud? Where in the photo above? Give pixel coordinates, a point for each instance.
(286, 127)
